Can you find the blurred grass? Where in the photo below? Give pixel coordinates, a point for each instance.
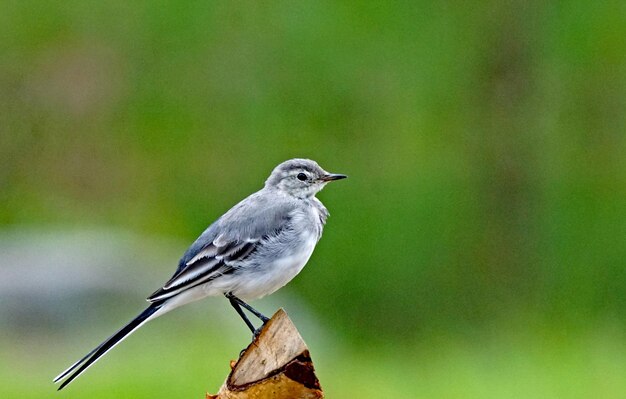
(167, 362)
(484, 144)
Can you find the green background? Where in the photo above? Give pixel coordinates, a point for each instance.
(476, 251)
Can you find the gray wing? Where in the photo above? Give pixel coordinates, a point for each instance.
(229, 240)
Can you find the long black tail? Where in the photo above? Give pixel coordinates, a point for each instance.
(84, 363)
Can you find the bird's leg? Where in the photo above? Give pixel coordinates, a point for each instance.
(250, 308)
(237, 303)
(241, 313)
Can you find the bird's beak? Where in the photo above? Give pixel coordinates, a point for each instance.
(332, 176)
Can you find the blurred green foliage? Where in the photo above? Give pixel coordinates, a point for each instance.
(485, 144)
(502, 366)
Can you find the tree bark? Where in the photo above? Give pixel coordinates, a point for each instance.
(277, 364)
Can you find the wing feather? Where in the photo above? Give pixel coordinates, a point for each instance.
(227, 242)
(206, 269)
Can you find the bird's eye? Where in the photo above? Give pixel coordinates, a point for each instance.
(301, 176)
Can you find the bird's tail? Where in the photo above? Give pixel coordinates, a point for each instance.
(83, 364)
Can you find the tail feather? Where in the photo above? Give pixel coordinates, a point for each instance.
(83, 364)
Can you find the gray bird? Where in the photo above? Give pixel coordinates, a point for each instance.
(255, 248)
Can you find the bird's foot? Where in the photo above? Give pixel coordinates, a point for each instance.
(256, 333)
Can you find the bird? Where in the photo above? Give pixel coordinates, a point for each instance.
(255, 248)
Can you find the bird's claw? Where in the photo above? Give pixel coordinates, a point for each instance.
(257, 332)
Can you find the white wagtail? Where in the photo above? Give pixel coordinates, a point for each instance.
(254, 249)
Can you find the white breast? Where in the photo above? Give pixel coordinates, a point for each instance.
(279, 272)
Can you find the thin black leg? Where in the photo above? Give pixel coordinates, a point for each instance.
(241, 313)
(252, 310)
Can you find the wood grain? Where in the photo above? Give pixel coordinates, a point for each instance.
(277, 364)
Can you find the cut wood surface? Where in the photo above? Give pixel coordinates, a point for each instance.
(276, 364)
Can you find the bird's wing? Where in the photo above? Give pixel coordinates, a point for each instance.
(212, 262)
(226, 243)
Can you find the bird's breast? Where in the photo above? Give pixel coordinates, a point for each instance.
(273, 273)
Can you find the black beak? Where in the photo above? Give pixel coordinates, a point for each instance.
(333, 176)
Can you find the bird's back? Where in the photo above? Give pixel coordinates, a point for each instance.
(255, 216)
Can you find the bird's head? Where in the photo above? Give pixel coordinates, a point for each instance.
(301, 178)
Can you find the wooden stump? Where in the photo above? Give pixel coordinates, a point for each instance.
(276, 364)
